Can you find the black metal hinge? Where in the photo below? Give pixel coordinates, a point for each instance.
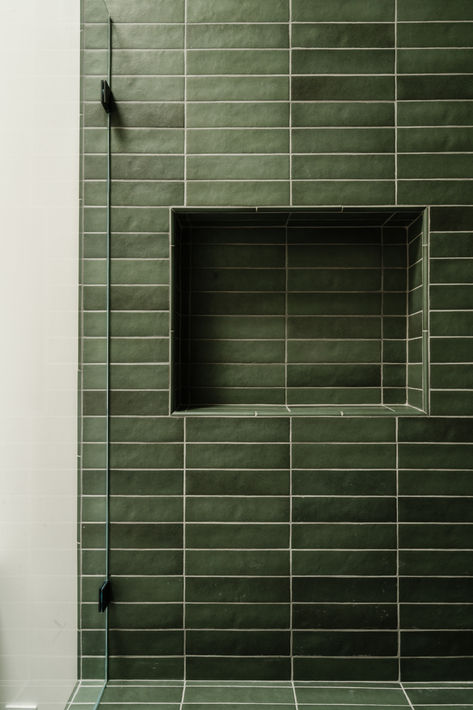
(106, 96)
(105, 595)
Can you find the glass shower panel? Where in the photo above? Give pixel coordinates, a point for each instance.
(95, 351)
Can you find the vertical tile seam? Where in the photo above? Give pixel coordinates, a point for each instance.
(427, 365)
(291, 605)
(295, 695)
(397, 554)
(183, 694)
(184, 556)
(407, 311)
(185, 103)
(395, 105)
(286, 275)
(382, 317)
(290, 102)
(407, 697)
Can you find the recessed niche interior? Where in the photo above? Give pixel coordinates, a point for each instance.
(299, 310)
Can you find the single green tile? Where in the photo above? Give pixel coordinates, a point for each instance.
(435, 10)
(340, 35)
(240, 482)
(145, 535)
(433, 87)
(237, 88)
(349, 140)
(244, 509)
(238, 11)
(333, 562)
(226, 36)
(238, 193)
(342, 61)
(251, 115)
(230, 536)
(344, 535)
(343, 509)
(358, 88)
(340, 11)
(343, 589)
(222, 589)
(240, 563)
(336, 167)
(136, 61)
(146, 455)
(331, 482)
(148, 482)
(371, 668)
(228, 61)
(238, 141)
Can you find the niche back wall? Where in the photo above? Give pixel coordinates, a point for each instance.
(275, 547)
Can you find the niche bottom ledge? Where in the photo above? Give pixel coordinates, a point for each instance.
(303, 411)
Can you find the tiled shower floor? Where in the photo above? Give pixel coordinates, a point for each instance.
(269, 695)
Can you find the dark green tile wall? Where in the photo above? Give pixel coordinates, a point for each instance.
(321, 547)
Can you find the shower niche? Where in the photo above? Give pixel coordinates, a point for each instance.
(304, 311)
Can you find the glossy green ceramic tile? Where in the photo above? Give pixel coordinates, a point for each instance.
(340, 113)
(444, 113)
(341, 35)
(434, 10)
(150, 61)
(350, 140)
(145, 11)
(240, 563)
(343, 61)
(237, 88)
(433, 87)
(354, 482)
(339, 88)
(237, 62)
(335, 167)
(238, 193)
(238, 141)
(205, 115)
(339, 11)
(337, 562)
(221, 589)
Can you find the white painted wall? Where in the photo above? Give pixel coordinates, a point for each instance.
(39, 143)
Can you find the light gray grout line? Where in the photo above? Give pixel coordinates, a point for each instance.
(291, 600)
(407, 697)
(428, 364)
(183, 690)
(408, 265)
(397, 555)
(290, 103)
(286, 297)
(382, 318)
(294, 692)
(184, 578)
(185, 100)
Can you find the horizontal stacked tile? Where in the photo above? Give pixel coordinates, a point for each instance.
(237, 539)
(343, 92)
(435, 540)
(146, 459)
(266, 547)
(344, 548)
(451, 310)
(435, 133)
(237, 110)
